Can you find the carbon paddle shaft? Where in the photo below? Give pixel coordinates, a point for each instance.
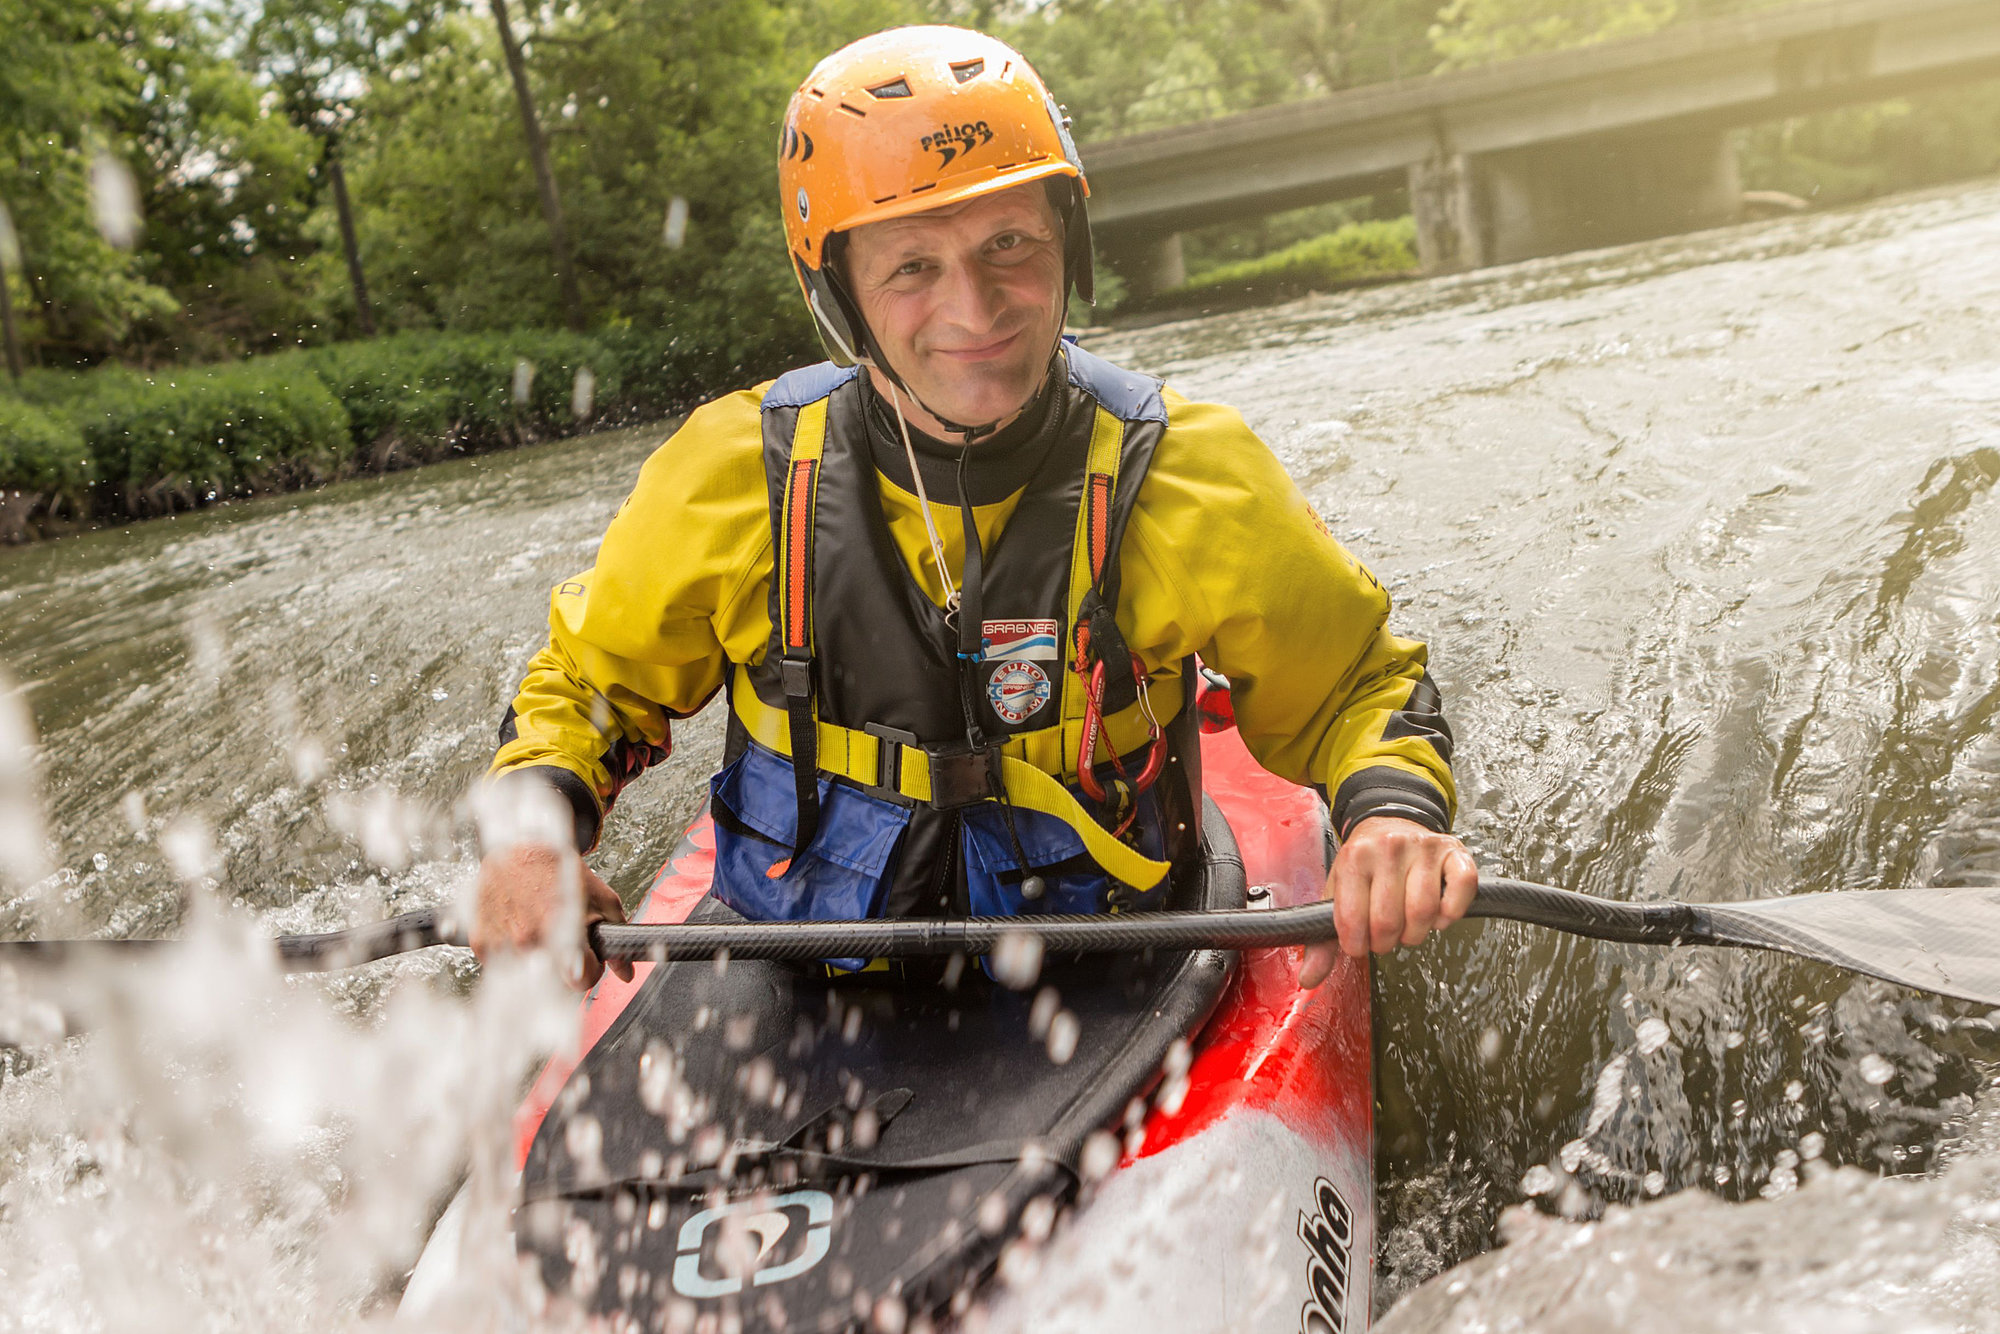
(1243, 928)
(880, 938)
(1587, 915)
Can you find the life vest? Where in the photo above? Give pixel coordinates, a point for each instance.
(882, 761)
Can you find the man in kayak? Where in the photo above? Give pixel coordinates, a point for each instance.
(953, 581)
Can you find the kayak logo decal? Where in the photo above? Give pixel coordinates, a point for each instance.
(719, 1247)
(1328, 1233)
(1018, 691)
(951, 140)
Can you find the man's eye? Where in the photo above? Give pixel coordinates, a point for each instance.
(909, 268)
(1007, 240)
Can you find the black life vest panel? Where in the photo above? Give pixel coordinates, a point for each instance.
(867, 673)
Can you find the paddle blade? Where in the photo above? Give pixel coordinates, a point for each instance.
(1941, 940)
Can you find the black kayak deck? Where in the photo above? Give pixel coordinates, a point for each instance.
(786, 1149)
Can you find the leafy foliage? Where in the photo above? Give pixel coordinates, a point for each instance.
(1860, 152)
(114, 443)
(44, 467)
(1357, 251)
(188, 437)
(227, 117)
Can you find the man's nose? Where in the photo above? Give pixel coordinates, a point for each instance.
(969, 297)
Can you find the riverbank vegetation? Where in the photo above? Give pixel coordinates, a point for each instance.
(250, 244)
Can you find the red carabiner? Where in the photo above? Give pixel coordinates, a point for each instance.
(1093, 704)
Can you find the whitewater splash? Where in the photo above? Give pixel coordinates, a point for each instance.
(1702, 535)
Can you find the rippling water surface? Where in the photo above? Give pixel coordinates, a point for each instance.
(1703, 538)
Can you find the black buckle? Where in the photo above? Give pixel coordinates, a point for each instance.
(889, 762)
(796, 676)
(963, 775)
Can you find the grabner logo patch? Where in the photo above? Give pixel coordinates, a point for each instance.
(1018, 691)
(1015, 641)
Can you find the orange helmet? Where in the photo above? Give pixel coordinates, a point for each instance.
(907, 120)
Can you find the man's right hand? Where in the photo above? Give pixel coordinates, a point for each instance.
(522, 891)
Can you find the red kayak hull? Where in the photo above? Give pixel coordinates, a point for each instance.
(1272, 1126)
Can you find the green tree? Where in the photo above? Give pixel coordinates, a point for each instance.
(321, 57)
(1477, 32)
(643, 101)
(67, 89)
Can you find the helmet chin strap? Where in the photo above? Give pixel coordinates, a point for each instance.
(896, 391)
(968, 434)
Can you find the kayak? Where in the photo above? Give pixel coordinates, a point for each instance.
(1180, 1142)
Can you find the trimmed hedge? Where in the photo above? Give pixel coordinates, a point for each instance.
(413, 398)
(185, 438)
(1355, 253)
(45, 468)
(115, 444)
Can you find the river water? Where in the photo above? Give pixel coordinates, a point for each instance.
(1701, 533)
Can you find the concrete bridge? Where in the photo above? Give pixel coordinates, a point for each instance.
(1564, 151)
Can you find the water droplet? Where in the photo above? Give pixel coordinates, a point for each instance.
(583, 394)
(1653, 1035)
(100, 862)
(1100, 1155)
(189, 848)
(674, 234)
(1812, 1145)
(1489, 1047)
(891, 1315)
(993, 1214)
(1017, 960)
(1875, 1069)
(1038, 1219)
(114, 201)
(1655, 1183)
(1047, 1002)
(524, 381)
(1064, 1030)
(1539, 1180)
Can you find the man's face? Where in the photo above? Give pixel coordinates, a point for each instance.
(965, 301)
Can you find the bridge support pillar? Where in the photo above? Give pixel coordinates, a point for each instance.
(1149, 265)
(1443, 196)
(1575, 195)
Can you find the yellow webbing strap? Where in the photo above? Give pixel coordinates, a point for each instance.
(857, 756)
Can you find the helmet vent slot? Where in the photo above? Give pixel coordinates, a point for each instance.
(968, 69)
(884, 199)
(893, 88)
(919, 189)
(853, 111)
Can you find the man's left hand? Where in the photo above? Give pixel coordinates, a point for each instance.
(1393, 883)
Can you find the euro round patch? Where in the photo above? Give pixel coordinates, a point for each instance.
(1018, 691)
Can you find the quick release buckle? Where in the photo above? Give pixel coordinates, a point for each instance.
(889, 762)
